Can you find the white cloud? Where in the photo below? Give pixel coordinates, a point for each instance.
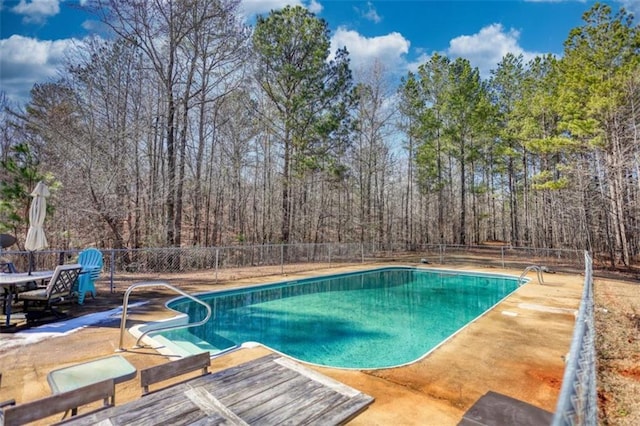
(257, 7)
(95, 27)
(370, 13)
(36, 11)
(315, 7)
(487, 47)
(422, 58)
(26, 61)
(632, 6)
(389, 49)
(250, 8)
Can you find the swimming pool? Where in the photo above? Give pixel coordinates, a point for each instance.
(370, 319)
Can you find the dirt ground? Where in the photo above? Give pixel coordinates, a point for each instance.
(617, 323)
(617, 314)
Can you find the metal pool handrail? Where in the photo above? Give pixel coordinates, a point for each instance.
(537, 268)
(125, 304)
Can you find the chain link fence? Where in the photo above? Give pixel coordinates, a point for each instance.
(578, 404)
(121, 266)
(503, 256)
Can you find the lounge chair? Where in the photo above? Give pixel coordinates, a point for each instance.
(91, 261)
(162, 372)
(20, 414)
(57, 290)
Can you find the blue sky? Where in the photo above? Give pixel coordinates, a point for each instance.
(36, 34)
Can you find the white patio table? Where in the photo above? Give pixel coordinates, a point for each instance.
(11, 280)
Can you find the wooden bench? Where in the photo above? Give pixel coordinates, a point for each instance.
(162, 372)
(21, 414)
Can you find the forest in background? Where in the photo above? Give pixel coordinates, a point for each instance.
(188, 128)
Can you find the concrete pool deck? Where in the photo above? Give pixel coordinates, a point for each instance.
(516, 349)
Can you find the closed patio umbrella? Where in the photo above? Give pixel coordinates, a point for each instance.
(36, 239)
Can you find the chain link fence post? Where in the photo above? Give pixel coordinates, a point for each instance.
(217, 259)
(112, 271)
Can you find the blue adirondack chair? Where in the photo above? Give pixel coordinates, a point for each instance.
(91, 261)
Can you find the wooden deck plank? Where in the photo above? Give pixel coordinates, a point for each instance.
(274, 398)
(254, 376)
(145, 412)
(269, 390)
(265, 393)
(230, 393)
(315, 376)
(307, 391)
(211, 406)
(335, 415)
(173, 406)
(251, 386)
(310, 392)
(306, 408)
(180, 417)
(241, 372)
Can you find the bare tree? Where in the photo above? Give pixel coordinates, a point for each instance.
(176, 37)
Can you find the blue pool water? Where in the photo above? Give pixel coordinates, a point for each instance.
(371, 319)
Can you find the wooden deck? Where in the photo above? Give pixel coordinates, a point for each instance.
(267, 391)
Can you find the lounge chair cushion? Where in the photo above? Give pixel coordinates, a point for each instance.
(37, 294)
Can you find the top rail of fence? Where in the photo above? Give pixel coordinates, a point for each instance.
(577, 403)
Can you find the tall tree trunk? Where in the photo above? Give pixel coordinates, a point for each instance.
(286, 190)
(463, 195)
(513, 203)
(171, 171)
